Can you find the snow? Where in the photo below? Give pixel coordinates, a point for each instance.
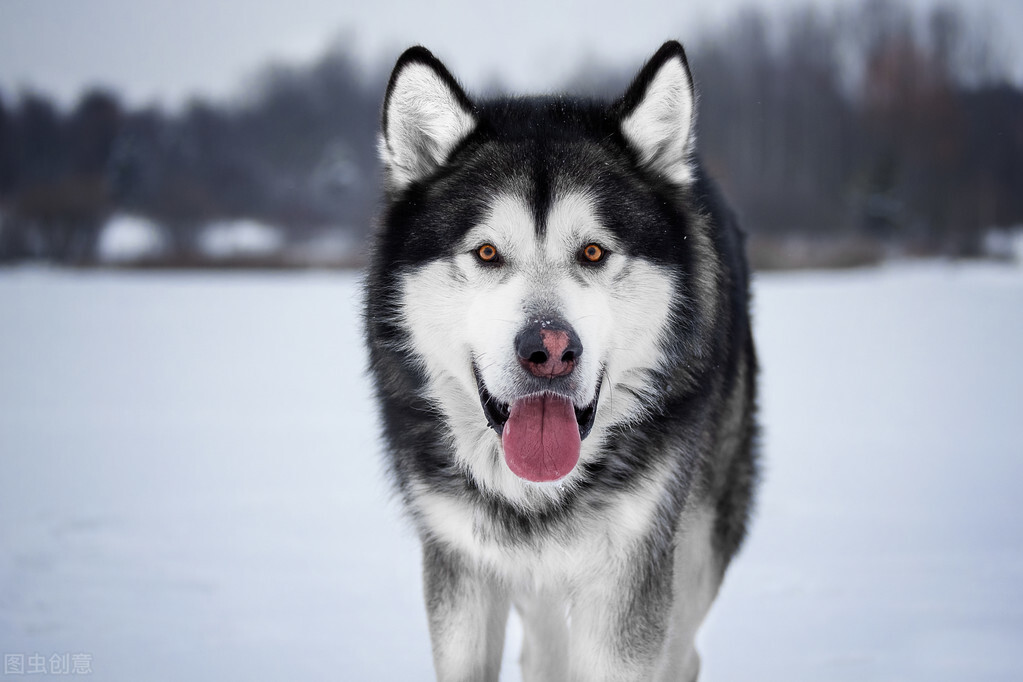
(239, 238)
(126, 238)
(327, 247)
(1005, 243)
(192, 487)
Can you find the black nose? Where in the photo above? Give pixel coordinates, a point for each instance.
(548, 348)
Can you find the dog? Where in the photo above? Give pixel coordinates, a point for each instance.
(557, 318)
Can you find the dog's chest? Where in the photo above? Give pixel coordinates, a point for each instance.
(572, 547)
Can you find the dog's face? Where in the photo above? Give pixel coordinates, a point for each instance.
(537, 259)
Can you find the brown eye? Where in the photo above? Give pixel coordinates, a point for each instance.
(487, 253)
(592, 253)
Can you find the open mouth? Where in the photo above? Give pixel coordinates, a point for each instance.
(497, 412)
(541, 433)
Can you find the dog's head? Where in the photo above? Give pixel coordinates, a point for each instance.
(537, 248)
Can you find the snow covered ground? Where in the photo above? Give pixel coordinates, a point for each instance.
(190, 486)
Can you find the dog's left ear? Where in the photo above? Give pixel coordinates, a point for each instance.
(426, 115)
(657, 114)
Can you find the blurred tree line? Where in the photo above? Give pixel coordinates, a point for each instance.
(866, 126)
(869, 123)
(299, 154)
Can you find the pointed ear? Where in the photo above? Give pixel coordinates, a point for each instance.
(657, 114)
(426, 115)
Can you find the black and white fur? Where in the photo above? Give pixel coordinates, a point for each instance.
(613, 567)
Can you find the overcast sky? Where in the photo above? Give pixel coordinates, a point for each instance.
(165, 51)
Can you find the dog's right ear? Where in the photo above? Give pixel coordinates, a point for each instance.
(426, 115)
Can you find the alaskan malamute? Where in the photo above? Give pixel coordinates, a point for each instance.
(557, 319)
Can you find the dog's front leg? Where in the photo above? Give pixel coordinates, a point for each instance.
(467, 610)
(545, 637)
(619, 621)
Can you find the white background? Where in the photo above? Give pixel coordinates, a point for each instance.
(191, 486)
(169, 50)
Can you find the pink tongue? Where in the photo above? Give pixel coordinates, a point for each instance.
(541, 438)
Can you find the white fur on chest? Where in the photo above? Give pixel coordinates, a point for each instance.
(588, 541)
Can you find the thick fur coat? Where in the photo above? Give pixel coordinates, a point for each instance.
(557, 319)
